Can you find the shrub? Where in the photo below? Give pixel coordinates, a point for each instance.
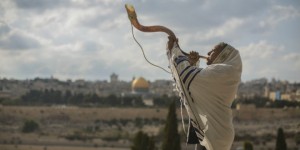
(30, 126)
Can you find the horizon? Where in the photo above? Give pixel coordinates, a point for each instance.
(77, 39)
(128, 80)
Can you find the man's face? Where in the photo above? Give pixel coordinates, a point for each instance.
(213, 54)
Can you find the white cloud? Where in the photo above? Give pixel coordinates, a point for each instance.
(225, 29)
(262, 50)
(17, 39)
(8, 11)
(278, 14)
(261, 59)
(292, 59)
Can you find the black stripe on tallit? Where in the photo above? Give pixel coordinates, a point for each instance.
(187, 75)
(199, 134)
(180, 59)
(191, 96)
(190, 77)
(186, 68)
(188, 87)
(196, 128)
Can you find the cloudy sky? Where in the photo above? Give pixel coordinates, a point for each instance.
(91, 39)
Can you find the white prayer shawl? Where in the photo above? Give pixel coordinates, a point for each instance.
(208, 93)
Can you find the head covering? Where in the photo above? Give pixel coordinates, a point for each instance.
(227, 62)
(225, 53)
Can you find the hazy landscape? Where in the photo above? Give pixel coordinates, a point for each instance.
(71, 127)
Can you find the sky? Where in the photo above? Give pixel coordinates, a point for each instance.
(91, 39)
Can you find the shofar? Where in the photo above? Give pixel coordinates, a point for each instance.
(156, 28)
(133, 19)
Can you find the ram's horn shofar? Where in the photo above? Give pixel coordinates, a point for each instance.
(156, 28)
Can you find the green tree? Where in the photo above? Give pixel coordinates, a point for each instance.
(280, 141)
(68, 96)
(171, 139)
(297, 138)
(112, 99)
(30, 126)
(248, 145)
(142, 141)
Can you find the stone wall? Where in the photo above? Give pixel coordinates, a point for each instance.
(248, 112)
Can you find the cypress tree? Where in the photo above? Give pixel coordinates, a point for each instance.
(142, 141)
(171, 139)
(297, 138)
(248, 146)
(280, 141)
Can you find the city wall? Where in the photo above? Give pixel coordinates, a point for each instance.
(249, 112)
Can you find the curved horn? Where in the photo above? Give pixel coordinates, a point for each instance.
(133, 19)
(156, 28)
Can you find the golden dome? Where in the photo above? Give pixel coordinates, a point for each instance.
(140, 83)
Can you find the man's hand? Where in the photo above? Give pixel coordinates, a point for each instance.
(193, 58)
(171, 42)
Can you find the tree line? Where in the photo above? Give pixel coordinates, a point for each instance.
(57, 97)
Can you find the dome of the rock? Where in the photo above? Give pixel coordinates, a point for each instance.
(140, 85)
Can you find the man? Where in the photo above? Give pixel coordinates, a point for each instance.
(207, 93)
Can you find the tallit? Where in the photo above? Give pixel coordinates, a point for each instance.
(207, 94)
